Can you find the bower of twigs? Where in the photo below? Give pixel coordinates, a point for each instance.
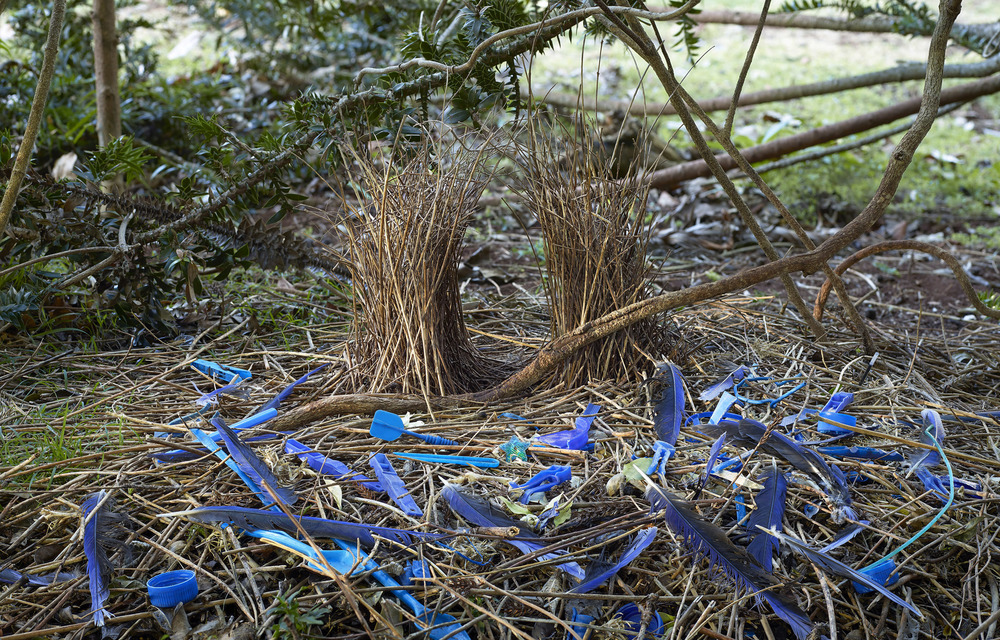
(487, 585)
(595, 236)
(404, 240)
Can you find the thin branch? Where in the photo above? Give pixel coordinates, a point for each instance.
(35, 116)
(908, 245)
(664, 72)
(728, 128)
(573, 17)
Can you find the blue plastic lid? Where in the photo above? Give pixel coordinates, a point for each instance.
(169, 589)
(632, 617)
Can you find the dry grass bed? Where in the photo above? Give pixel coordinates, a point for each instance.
(85, 422)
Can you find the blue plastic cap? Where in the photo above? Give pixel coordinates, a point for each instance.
(170, 589)
(580, 628)
(881, 572)
(632, 617)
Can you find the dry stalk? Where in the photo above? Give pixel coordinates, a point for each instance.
(594, 239)
(405, 237)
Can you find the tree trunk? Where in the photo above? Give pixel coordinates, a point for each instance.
(109, 119)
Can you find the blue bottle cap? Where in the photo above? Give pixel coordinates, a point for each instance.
(169, 589)
(632, 617)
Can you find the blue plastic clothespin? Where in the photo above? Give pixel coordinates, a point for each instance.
(543, 481)
(576, 438)
(662, 452)
(393, 485)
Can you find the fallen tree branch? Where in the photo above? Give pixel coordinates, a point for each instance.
(908, 245)
(677, 174)
(822, 152)
(868, 24)
(900, 73)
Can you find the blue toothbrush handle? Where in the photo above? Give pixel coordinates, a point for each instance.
(435, 440)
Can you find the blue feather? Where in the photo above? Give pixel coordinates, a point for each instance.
(921, 461)
(724, 384)
(482, 514)
(10, 576)
(831, 480)
(712, 542)
(328, 466)
(315, 527)
(595, 578)
(669, 414)
(251, 465)
(836, 567)
(98, 565)
(713, 455)
(768, 514)
(847, 534)
(287, 391)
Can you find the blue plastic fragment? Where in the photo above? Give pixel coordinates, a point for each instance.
(578, 628)
(722, 409)
(482, 463)
(883, 572)
(393, 485)
(326, 465)
(543, 481)
(576, 438)
(861, 453)
(415, 570)
(662, 452)
(838, 402)
(741, 508)
(515, 448)
(512, 416)
(829, 423)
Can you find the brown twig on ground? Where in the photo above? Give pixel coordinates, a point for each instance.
(908, 245)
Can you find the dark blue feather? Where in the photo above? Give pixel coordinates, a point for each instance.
(713, 543)
(327, 465)
(483, 514)
(669, 414)
(287, 391)
(831, 480)
(933, 430)
(98, 565)
(724, 384)
(316, 527)
(601, 573)
(10, 576)
(251, 465)
(846, 534)
(836, 567)
(713, 455)
(768, 514)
